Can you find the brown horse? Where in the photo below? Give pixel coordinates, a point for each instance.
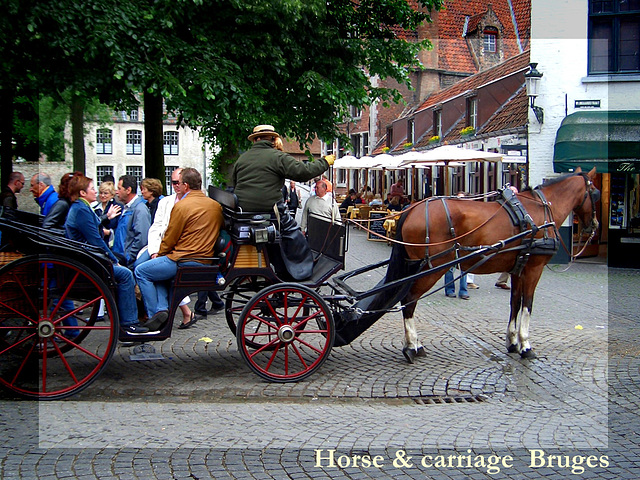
(457, 226)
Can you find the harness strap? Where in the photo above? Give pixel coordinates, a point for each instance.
(427, 258)
(448, 214)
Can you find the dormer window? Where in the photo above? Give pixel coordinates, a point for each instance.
(490, 39)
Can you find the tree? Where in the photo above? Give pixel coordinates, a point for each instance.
(221, 65)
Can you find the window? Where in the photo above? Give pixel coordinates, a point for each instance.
(472, 112)
(389, 137)
(355, 112)
(411, 131)
(614, 36)
(103, 141)
(134, 142)
(136, 172)
(328, 147)
(167, 178)
(170, 140)
(133, 116)
(490, 39)
(437, 123)
(360, 144)
(101, 171)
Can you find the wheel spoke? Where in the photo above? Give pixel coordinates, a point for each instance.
(26, 295)
(17, 344)
(64, 361)
(64, 295)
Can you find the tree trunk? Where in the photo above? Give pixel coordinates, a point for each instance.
(77, 133)
(154, 142)
(6, 135)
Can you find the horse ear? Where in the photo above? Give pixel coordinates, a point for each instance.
(592, 173)
(577, 170)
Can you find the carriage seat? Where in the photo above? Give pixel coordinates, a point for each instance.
(246, 228)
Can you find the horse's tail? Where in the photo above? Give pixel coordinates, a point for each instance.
(350, 324)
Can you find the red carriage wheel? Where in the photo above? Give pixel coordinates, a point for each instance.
(52, 343)
(294, 327)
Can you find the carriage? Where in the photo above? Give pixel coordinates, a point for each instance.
(59, 322)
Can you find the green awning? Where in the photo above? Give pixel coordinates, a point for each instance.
(607, 140)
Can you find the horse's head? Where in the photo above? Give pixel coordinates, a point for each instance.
(586, 211)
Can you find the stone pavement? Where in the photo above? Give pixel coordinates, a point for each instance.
(466, 410)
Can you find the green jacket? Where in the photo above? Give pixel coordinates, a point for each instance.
(259, 174)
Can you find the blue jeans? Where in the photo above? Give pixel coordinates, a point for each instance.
(154, 279)
(125, 295)
(450, 288)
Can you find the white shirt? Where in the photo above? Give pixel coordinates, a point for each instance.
(321, 206)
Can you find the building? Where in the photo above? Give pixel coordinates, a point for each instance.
(468, 37)
(118, 149)
(588, 53)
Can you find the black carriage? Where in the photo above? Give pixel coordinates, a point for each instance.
(59, 321)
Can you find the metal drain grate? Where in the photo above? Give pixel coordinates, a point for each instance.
(441, 400)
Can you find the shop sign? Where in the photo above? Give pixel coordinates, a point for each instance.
(587, 104)
(628, 167)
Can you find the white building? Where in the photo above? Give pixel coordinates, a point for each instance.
(118, 149)
(588, 52)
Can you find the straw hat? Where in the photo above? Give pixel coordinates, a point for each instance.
(262, 130)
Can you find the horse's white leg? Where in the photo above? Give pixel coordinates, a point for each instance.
(412, 346)
(512, 334)
(523, 334)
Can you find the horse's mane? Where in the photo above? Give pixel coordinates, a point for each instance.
(561, 178)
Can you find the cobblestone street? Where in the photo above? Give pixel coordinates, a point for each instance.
(466, 410)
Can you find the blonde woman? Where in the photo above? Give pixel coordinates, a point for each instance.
(108, 209)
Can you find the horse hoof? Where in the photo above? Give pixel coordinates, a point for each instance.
(528, 354)
(513, 348)
(422, 352)
(409, 354)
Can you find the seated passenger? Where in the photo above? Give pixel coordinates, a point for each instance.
(83, 225)
(258, 176)
(193, 229)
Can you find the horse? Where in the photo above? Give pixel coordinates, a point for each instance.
(442, 230)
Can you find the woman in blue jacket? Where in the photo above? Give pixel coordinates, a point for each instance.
(83, 225)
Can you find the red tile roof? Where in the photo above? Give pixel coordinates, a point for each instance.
(507, 67)
(453, 51)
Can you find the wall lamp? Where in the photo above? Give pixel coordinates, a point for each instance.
(532, 82)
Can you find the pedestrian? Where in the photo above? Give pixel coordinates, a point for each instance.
(293, 201)
(318, 205)
(14, 186)
(450, 287)
(258, 176)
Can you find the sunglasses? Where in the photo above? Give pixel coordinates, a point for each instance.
(175, 182)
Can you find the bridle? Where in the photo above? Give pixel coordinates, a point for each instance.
(593, 194)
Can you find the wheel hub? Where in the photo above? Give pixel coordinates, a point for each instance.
(46, 329)
(286, 333)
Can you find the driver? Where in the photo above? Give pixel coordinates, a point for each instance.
(258, 176)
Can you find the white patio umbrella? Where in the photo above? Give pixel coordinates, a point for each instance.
(387, 162)
(449, 153)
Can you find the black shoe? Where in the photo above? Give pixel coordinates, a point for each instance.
(464, 297)
(190, 323)
(158, 320)
(450, 295)
(215, 310)
(136, 328)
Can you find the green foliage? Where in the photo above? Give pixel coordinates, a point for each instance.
(221, 65)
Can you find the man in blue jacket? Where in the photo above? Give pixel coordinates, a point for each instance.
(133, 226)
(43, 192)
